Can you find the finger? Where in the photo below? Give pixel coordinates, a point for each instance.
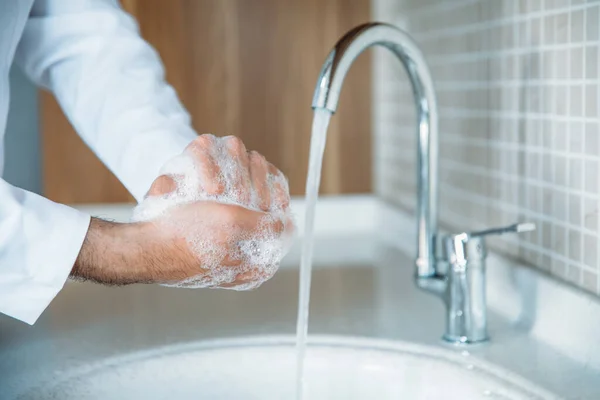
(208, 169)
(254, 276)
(260, 277)
(268, 273)
(162, 185)
(248, 220)
(289, 227)
(235, 283)
(280, 188)
(242, 287)
(248, 276)
(241, 179)
(231, 260)
(259, 176)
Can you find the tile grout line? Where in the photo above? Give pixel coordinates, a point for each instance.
(553, 146)
(597, 116)
(528, 212)
(568, 127)
(541, 106)
(584, 113)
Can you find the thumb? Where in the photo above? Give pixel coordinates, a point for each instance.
(162, 185)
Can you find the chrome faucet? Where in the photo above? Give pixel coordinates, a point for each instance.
(464, 286)
(456, 272)
(327, 94)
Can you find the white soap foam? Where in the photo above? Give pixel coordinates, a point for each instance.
(258, 252)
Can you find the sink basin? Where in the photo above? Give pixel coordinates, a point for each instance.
(263, 368)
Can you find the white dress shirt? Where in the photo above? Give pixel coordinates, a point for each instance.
(110, 83)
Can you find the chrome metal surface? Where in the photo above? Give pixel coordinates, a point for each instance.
(463, 285)
(464, 294)
(514, 228)
(88, 324)
(327, 92)
(466, 310)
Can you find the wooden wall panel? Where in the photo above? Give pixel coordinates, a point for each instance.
(245, 68)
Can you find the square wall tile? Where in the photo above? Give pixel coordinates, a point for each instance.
(591, 23)
(577, 62)
(591, 100)
(575, 245)
(589, 280)
(590, 213)
(575, 173)
(590, 251)
(591, 176)
(576, 26)
(591, 61)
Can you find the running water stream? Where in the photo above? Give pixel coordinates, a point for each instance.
(317, 147)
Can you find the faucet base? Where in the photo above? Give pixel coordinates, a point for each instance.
(464, 340)
(432, 284)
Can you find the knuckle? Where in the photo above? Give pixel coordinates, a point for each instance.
(257, 157)
(204, 141)
(214, 187)
(235, 144)
(278, 226)
(207, 137)
(273, 170)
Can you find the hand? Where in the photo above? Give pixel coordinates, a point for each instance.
(186, 237)
(219, 169)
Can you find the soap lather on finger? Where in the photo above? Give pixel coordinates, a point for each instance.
(253, 226)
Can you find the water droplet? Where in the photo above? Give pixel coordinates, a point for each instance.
(465, 353)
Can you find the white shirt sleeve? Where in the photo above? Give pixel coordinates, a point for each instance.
(110, 84)
(39, 243)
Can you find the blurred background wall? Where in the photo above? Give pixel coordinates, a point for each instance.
(241, 67)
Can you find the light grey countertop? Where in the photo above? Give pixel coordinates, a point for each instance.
(362, 286)
(374, 297)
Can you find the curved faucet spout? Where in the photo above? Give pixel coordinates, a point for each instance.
(327, 94)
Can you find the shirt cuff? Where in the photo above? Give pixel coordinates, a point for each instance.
(41, 258)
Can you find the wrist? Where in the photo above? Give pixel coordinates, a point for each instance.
(112, 253)
(125, 253)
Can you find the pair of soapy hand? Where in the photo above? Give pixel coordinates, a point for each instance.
(228, 211)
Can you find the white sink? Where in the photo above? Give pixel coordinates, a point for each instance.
(263, 368)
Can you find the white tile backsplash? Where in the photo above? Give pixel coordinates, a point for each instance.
(517, 85)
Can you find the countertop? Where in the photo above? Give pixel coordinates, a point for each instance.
(370, 294)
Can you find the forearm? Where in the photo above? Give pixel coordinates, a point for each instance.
(126, 253)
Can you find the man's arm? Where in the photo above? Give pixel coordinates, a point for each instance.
(110, 84)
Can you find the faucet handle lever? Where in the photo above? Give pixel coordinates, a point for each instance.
(464, 246)
(514, 228)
